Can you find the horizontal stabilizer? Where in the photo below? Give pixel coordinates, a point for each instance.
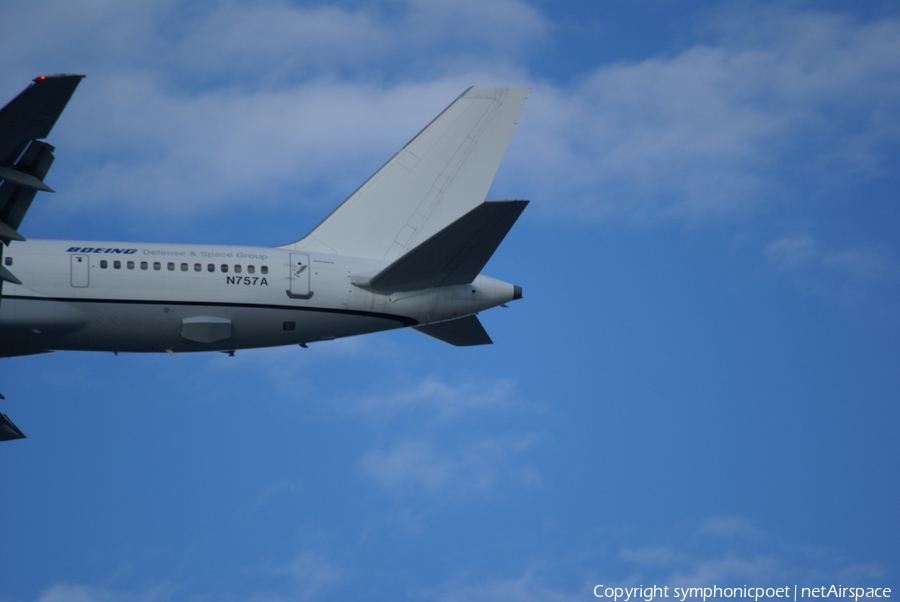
(9, 233)
(456, 254)
(22, 179)
(8, 276)
(8, 430)
(15, 198)
(462, 332)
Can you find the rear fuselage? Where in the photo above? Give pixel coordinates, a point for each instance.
(138, 297)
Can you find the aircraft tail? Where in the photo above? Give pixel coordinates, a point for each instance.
(438, 177)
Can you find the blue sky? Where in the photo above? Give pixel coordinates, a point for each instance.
(700, 385)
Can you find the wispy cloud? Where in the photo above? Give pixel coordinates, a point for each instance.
(732, 550)
(777, 105)
(233, 101)
(452, 471)
(85, 593)
(134, 141)
(428, 453)
(273, 43)
(727, 526)
(659, 555)
(438, 400)
(311, 573)
(271, 492)
(842, 272)
(524, 588)
(731, 568)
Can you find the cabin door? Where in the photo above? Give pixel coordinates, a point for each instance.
(81, 270)
(300, 276)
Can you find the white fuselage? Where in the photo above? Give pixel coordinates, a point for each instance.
(138, 297)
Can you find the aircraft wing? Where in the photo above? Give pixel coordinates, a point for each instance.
(24, 162)
(24, 159)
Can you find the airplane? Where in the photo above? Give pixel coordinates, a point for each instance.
(405, 250)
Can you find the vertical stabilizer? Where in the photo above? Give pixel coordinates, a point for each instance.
(439, 176)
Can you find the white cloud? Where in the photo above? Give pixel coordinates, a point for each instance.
(732, 551)
(868, 572)
(268, 42)
(709, 554)
(273, 42)
(495, 29)
(727, 526)
(189, 107)
(311, 572)
(526, 588)
(781, 105)
(132, 141)
(661, 555)
(842, 272)
(84, 593)
(307, 576)
(731, 568)
(792, 251)
(270, 493)
(865, 263)
(427, 453)
(476, 467)
(438, 399)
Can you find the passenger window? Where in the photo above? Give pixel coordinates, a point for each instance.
(251, 269)
(211, 267)
(130, 265)
(264, 269)
(103, 264)
(237, 269)
(198, 267)
(117, 265)
(8, 261)
(224, 267)
(184, 267)
(157, 266)
(143, 265)
(171, 267)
